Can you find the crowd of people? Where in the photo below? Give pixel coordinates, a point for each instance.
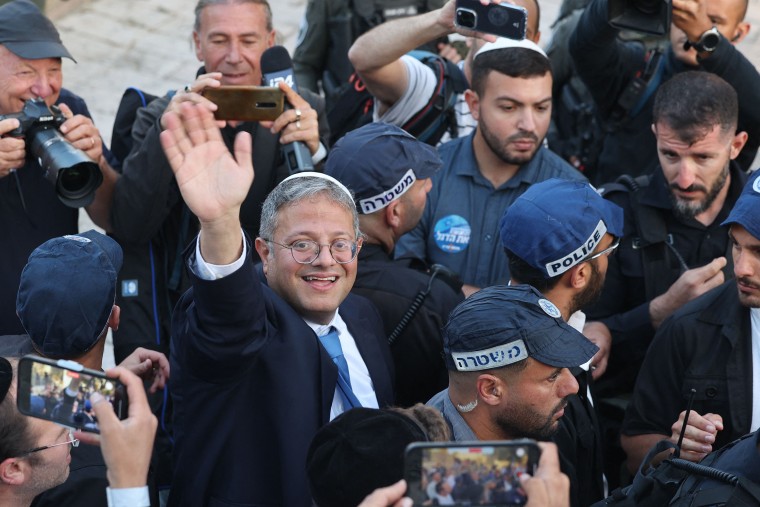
(439, 272)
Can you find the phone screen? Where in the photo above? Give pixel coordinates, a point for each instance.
(61, 395)
(453, 474)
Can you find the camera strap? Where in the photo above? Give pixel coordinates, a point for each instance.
(639, 89)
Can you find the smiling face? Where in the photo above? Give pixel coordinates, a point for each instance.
(231, 38)
(314, 290)
(22, 79)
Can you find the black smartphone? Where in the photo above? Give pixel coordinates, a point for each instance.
(59, 391)
(469, 473)
(503, 20)
(246, 103)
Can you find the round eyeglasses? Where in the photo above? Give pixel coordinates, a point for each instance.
(306, 251)
(73, 441)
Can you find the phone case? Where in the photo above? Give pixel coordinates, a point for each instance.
(246, 103)
(503, 20)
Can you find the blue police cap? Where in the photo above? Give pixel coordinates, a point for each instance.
(501, 325)
(557, 223)
(67, 291)
(379, 162)
(746, 211)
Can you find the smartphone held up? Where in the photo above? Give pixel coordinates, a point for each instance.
(246, 103)
(60, 391)
(469, 473)
(502, 19)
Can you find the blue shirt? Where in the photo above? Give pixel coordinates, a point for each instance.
(460, 225)
(460, 430)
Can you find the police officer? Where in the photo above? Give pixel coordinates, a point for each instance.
(389, 172)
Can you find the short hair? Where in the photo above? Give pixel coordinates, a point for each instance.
(202, 4)
(293, 191)
(692, 103)
(15, 431)
(513, 62)
(429, 420)
(523, 272)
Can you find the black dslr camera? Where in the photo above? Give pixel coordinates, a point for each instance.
(646, 16)
(74, 175)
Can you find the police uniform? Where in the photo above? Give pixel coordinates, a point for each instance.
(417, 351)
(624, 304)
(706, 345)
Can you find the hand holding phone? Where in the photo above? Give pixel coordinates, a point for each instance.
(502, 20)
(246, 103)
(61, 391)
(476, 473)
(126, 445)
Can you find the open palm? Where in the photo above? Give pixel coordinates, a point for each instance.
(212, 182)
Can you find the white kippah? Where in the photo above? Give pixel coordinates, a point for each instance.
(504, 43)
(313, 174)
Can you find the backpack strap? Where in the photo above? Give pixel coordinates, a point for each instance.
(121, 135)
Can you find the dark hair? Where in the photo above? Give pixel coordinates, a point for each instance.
(692, 103)
(512, 62)
(523, 272)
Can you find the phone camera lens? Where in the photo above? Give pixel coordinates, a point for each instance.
(466, 18)
(498, 16)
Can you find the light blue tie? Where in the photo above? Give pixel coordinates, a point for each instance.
(331, 343)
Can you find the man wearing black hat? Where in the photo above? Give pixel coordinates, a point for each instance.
(508, 351)
(709, 350)
(562, 252)
(66, 304)
(389, 172)
(30, 211)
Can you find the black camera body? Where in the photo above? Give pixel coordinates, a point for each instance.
(74, 175)
(645, 16)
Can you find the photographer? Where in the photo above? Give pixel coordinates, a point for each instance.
(608, 65)
(30, 209)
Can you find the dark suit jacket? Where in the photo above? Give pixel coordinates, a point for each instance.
(251, 385)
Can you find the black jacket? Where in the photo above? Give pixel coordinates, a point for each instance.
(606, 64)
(418, 351)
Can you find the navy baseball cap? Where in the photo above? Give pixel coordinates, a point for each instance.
(379, 162)
(503, 324)
(557, 223)
(67, 292)
(27, 33)
(746, 211)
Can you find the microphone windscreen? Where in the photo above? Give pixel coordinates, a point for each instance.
(275, 59)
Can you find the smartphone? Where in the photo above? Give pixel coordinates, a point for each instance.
(469, 473)
(502, 20)
(59, 391)
(246, 103)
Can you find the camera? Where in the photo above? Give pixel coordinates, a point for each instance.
(74, 175)
(503, 20)
(645, 16)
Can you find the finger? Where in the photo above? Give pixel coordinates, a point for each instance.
(9, 125)
(244, 150)
(104, 412)
(716, 419)
(142, 367)
(138, 400)
(87, 437)
(292, 97)
(696, 421)
(385, 496)
(65, 110)
(174, 141)
(714, 267)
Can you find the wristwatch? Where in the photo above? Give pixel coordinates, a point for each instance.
(707, 42)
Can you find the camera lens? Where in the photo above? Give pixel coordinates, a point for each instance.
(466, 18)
(498, 16)
(74, 175)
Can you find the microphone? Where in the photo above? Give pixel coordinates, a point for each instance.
(277, 66)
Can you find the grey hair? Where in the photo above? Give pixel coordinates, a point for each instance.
(202, 4)
(293, 191)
